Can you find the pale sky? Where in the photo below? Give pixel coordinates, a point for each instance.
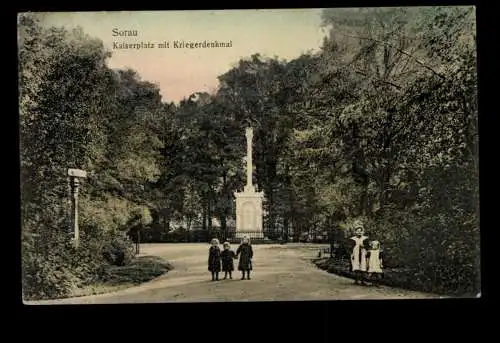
(180, 72)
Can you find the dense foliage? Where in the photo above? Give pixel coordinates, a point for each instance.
(380, 124)
(69, 103)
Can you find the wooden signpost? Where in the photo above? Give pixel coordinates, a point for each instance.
(139, 229)
(76, 175)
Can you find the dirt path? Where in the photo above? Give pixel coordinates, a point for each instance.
(281, 272)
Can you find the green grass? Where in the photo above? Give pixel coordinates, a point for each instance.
(140, 270)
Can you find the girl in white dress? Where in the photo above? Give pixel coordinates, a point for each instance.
(359, 246)
(374, 258)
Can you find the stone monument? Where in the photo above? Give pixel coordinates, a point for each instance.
(249, 216)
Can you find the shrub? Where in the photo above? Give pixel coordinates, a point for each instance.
(119, 250)
(87, 262)
(198, 235)
(441, 247)
(45, 271)
(52, 267)
(179, 235)
(45, 278)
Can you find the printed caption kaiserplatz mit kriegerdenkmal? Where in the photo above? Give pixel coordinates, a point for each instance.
(129, 44)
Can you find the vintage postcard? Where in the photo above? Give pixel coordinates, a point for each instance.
(249, 155)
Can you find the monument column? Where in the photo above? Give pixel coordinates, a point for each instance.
(249, 135)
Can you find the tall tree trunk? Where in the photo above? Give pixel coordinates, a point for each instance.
(204, 216)
(223, 227)
(364, 200)
(155, 216)
(285, 228)
(166, 220)
(383, 183)
(271, 212)
(209, 214)
(359, 172)
(223, 222)
(388, 156)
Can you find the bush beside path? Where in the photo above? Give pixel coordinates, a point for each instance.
(115, 278)
(404, 278)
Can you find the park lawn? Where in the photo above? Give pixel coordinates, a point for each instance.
(141, 269)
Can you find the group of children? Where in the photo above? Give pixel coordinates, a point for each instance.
(366, 257)
(224, 260)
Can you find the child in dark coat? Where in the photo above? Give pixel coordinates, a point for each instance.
(214, 259)
(245, 252)
(228, 257)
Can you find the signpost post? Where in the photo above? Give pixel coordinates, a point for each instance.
(138, 242)
(76, 175)
(139, 229)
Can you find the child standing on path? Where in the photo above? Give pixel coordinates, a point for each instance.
(359, 245)
(374, 258)
(228, 257)
(214, 259)
(245, 253)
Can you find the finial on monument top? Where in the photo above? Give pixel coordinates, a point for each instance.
(249, 131)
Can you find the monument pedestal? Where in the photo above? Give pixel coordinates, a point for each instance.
(249, 216)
